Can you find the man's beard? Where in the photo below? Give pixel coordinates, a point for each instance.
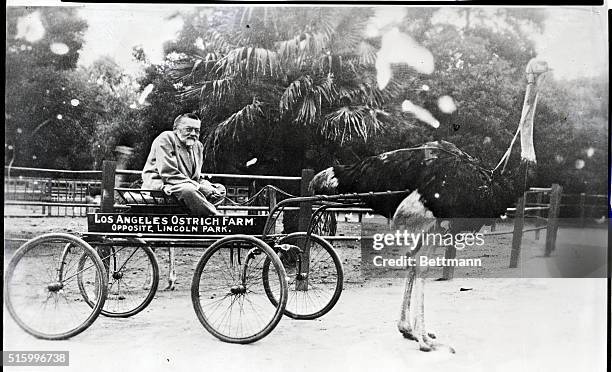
(190, 141)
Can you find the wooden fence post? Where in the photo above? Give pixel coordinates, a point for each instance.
(553, 218)
(303, 222)
(517, 234)
(49, 192)
(538, 214)
(305, 207)
(107, 203)
(582, 208)
(448, 271)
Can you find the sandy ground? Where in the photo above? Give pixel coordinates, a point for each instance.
(501, 324)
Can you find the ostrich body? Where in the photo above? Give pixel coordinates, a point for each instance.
(445, 183)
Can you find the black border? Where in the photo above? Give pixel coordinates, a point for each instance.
(429, 3)
(504, 3)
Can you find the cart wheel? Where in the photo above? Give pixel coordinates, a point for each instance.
(227, 290)
(315, 292)
(133, 277)
(41, 290)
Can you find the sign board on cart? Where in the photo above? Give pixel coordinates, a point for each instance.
(175, 224)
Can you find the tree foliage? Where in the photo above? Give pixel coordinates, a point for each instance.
(42, 126)
(58, 114)
(261, 74)
(295, 88)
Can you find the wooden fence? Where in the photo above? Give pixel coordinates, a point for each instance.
(44, 188)
(56, 192)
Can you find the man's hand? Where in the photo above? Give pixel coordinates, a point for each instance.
(206, 188)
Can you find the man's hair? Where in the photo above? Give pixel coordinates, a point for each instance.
(189, 115)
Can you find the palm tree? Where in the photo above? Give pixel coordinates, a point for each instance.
(264, 74)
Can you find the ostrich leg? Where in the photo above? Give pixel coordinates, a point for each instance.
(404, 325)
(171, 271)
(424, 338)
(171, 268)
(412, 215)
(412, 316)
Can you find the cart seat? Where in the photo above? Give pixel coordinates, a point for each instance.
(149, 201)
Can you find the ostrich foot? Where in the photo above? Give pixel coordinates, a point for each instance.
(148, 285)
(170, 286)
(171, 281)
(409, 335)
(427, 343)
(405, 329)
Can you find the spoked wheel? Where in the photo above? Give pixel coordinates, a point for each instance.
(41, 290)
(227, 289)
(315, 287)
(133, 277)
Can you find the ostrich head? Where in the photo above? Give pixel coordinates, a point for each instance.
(535, 70)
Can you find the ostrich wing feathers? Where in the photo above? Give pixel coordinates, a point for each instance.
(451, 183)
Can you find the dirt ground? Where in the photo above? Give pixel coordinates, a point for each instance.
(499, 324)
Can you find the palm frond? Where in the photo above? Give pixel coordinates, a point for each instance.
(349, 122)
(294, 93)
(310, 98)
(348, 33)
(217, 42)
(249, 115)
(366, 53)
(217, 91)
(361, 94)
(298, 48)
(249, 62)
(193, 68)
(327, 88)
(309, 110)
(189, 92)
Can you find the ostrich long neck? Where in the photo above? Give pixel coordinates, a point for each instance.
(526, 125)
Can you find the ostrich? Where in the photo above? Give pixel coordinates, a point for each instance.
(445, 182)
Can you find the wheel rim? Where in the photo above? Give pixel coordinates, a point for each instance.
(233, 309)
(132, 280)
(41, 289)
(312, 297)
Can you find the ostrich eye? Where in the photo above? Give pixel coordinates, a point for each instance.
(456, 127)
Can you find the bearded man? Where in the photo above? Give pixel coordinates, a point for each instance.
(174, 166)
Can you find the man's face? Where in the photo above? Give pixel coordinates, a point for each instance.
(188, 131)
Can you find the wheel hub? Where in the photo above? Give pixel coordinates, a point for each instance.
(55, 287)
(238, 289)
(117, 275)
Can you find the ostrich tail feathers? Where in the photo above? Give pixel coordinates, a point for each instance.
(324, 183)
